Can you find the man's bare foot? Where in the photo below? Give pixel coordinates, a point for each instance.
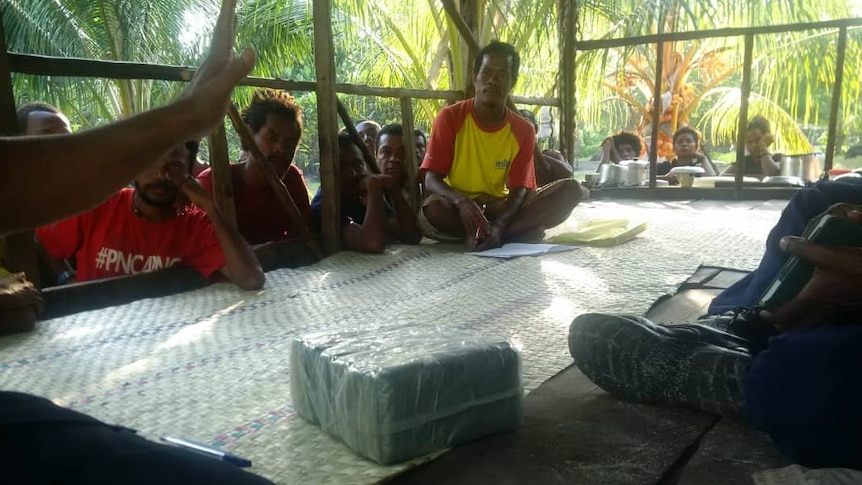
(533, 236)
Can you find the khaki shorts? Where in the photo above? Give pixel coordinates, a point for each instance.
(432, 232)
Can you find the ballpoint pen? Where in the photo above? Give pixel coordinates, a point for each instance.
(209, 451)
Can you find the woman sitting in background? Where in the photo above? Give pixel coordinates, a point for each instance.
(686, 145)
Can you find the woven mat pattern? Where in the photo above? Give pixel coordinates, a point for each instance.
(212, 364)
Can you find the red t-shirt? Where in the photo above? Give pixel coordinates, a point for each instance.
(111, 240)
(259, 214)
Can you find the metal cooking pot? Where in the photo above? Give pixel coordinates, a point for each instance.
(611, 175)
(636, 172)
(807, 166)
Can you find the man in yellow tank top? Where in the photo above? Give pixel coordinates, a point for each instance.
(480, 183)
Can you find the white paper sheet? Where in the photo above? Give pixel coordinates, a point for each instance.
(513, 250)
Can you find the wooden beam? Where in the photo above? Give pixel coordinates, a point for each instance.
(592, 45)
(327, 124)
(656, 113)
(222, 180)
(535, 101)
(461, 25)
(275, 182)
(745, 92)
(370, 158)
(836, 99)
(410, 162)
(76, 67)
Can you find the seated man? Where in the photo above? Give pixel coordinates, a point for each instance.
(758, 161)
(373, 209)
(151, 227)
(480, 184)
(794, 371)
(421, 146)
(625, 145)
(550, 165)
(36, 119)
(275, 121)
(368, 131)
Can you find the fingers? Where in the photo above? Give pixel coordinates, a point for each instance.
(847, 260)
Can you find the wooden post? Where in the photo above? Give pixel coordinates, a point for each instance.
(327, 124)
(410, 161)
(568, 109)
(369, 157)
(222, 180)
(745, 92)
(17, 251)
(656, 113)
(468, 37)
(836, 99)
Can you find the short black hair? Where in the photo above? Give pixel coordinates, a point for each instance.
(392, 129)
(529, 116)
(418, 132)
(24, 112)
(628, 138)
(758, 123)
(503, 49)
(265, 102)
(689, 130)
(192, 146)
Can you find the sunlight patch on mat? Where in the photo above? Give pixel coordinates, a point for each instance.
(195, 332)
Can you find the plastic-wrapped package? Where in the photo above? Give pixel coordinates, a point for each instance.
(397, 393)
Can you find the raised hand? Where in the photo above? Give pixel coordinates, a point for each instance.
(209, 91)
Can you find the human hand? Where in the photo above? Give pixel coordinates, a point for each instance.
(493, 239)
(833, 294)
(190, 191)
(17, 292)
(209, 91)
(388, 182)
(371, 184)
(476, 226)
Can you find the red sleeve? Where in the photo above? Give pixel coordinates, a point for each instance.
(62, 239)
(207, 256)
(206, 179)
(441, 146)
(522, 173)
(298, 189)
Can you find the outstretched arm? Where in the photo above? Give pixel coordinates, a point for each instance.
(47, 178)
(241, 265)
(370, 236)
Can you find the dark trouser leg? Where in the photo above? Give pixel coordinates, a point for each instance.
(804, 206)
(805, 390)
(43, 443)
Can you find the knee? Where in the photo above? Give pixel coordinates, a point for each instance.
(571, 193)
(440, 213)
(805, 392)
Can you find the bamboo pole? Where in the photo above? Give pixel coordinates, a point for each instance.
(327, 124)
(274, 181)
(592, 45)
(411, 168)
(836, 99)
(745, 92)
(567, 75)
(461, 25)
(222, 180)
(370, 158)
(656, 113)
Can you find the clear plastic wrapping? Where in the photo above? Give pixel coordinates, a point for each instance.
(397, 393)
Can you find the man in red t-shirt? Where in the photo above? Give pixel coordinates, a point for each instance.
(275, 121)
(146, 229)
(480, 184)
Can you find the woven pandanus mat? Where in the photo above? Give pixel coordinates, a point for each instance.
(212, 364)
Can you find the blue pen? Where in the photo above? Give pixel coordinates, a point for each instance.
(209, 451)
